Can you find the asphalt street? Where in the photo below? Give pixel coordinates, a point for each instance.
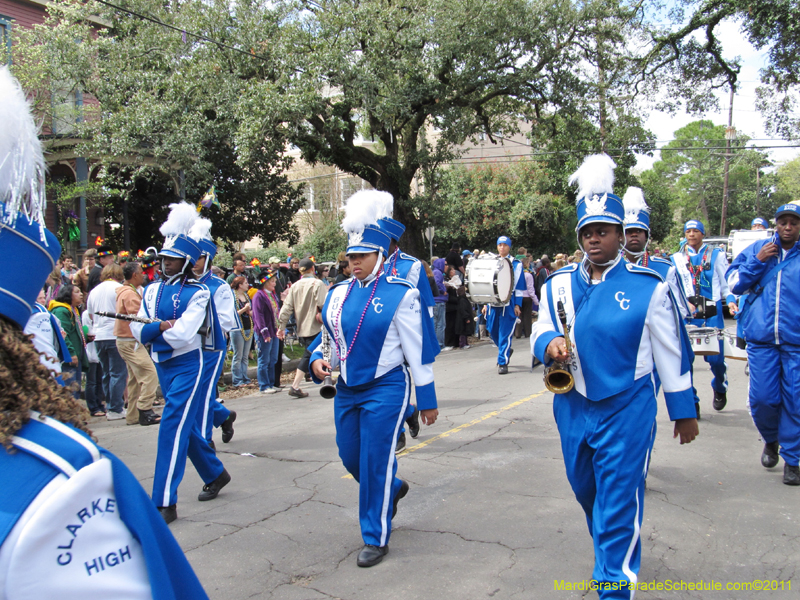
(490, 513)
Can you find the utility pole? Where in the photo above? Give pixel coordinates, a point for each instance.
(730, 133)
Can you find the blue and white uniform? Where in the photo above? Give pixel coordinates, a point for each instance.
(409, 268)
(770, 322)
(79, 525)
(500, 320)
(215, 414)
(374, 387)
(607, 421)
(47, 338)
(178, 355)
(711, 266)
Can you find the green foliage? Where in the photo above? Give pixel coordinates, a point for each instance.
(325, 241)
(691, 169)
(475, 206)
(788, 181)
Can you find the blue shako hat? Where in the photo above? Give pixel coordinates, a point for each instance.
(364, 211)
(694, 224)
(177, 243)
(394, 229)
(637, 213)
(23, 242)
(759, 221)
(22, 205)
(596, 200)
(201, 233)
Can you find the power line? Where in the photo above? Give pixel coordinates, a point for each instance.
(182, 31)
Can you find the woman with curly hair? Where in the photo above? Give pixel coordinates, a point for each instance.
(74, 521)
(65, 308)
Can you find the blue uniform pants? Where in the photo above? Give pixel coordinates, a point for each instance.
(775, 395)
(500, 322)
(179, 433)
(214, 413)
(606, 447)
(719, 382)
(368, 420)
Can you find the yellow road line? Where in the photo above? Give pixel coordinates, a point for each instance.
(450, 432)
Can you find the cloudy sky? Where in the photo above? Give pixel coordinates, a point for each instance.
(746, 118)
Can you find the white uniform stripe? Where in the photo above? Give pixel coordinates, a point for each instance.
(508, 344)
(174, 457)
(212, 387)
(387, 488)
(48, 455)
(626, 568)
(71, 433)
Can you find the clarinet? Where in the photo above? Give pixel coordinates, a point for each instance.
(122, 317)
(328, 389)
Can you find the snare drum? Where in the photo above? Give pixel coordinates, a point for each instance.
(731, 349)
(490, 280)
(705, 340)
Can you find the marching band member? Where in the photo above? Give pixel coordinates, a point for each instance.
(183, 305)
(759, 224)
(769, 272)
(607, 420)
(74, 521)
(637, 237)
(405, 266)
(375, 323)
(500, 320)
(702, 274)
(214, 414)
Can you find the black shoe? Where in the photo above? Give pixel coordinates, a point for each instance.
(307, 377)
(148, 417)
(227, 427)
(371, 555)
(502, 369)
(720, 400)
(770, 457)
(297, 393)
(791, 475)
(170, 513)
(413, 424)
(697, 408)
(401, 493)
(401, 442)
(211, 490)
(212, 445)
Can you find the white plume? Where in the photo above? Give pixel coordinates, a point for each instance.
(595, 176)
(634, 203)
(365, 208)
(201, 230)
(22, 167)
(182, 216)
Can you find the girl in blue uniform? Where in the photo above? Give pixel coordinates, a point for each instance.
(375, 323)
(607, 420)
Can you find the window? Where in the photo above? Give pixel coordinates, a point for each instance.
(5, 40)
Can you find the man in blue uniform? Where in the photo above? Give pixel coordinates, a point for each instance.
(759, 224)
(768, 271)
(182, 306)
(607, 419)
(376, 325)
(701, 271)
(214, 414)
(500, 320)
(74, 521)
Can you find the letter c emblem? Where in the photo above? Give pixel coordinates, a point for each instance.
(377, 305)
(624, 303)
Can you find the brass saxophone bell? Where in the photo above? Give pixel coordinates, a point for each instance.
(558, 380)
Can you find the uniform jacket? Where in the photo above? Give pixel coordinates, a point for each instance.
(772, 318)
(630, 315)
(391, 333)
(79, 525)
(713, 284)
(224, 305)
(519, 288)
(669, 273)
(188, 303)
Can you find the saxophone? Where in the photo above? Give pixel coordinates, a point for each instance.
(328, 389)
(557, 377)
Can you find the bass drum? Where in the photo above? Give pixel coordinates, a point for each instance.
(490, 280)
